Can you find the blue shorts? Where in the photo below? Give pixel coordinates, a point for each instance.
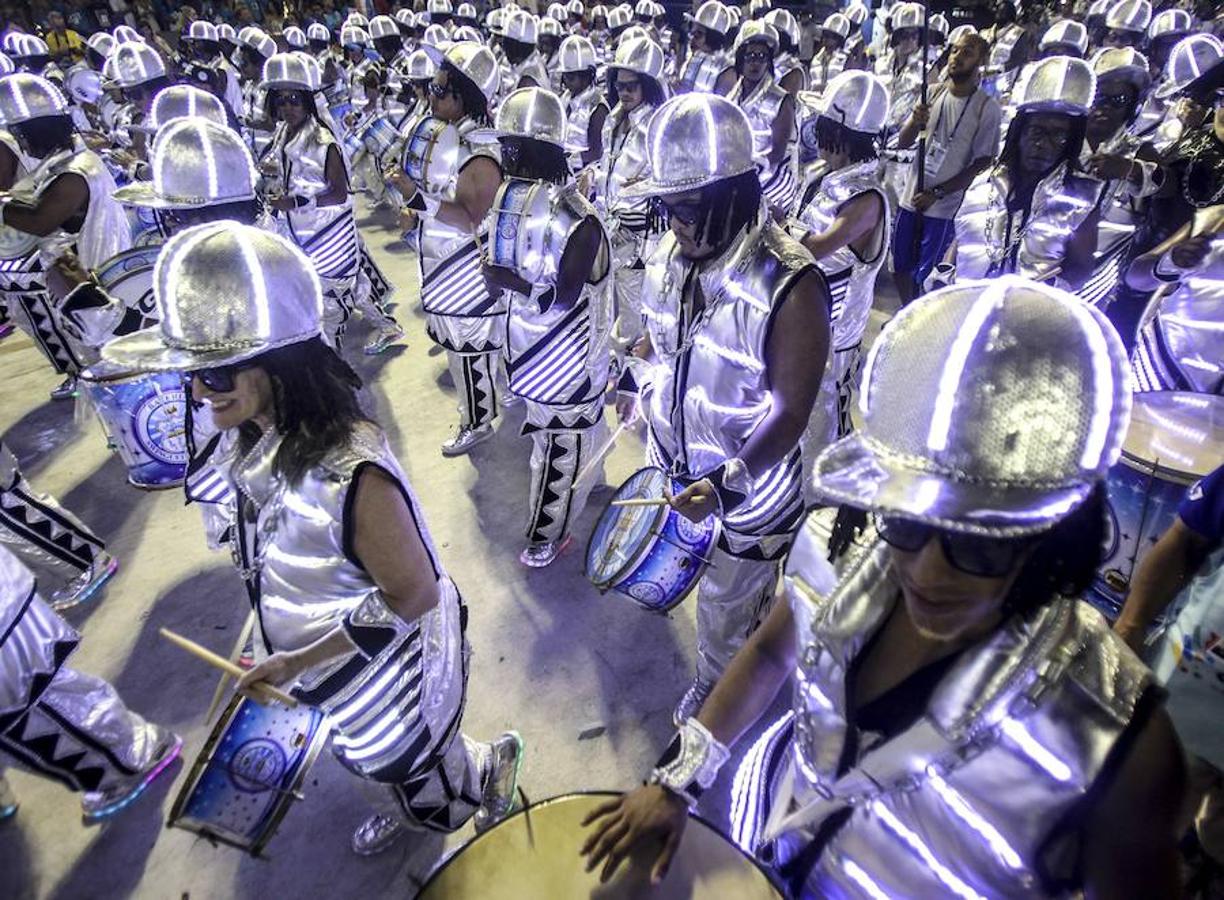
(937, 234)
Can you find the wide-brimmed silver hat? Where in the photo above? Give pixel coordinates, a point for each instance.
(694, 140)
(226, 293)
(101, 43)
(619, 17)
(576, 54)
(383, 27)
(838, 24)
(420, 66)
(712, 15)
(1191, 59)
(131, 65)
(27, 45)
(317, 31)
(292, 71)
(474, 60)
(992, 407)
(532, 112)
(1056, 84)
(760, 31)
(126, 34)
(1123, 62)
(201, 30)
(520, 25)
(294, 37)
(194, 163)
(225, 32)
(550, 27)
(1129, 15)
(24, 97)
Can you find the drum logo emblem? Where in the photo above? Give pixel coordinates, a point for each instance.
(161, 428)
(257, 766)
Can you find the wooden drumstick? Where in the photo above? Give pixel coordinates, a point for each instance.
(642, 501)
(220, 662)
(245, 633)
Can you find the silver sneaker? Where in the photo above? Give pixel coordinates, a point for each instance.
(542, 553)
(8, 800)
(501, 781)
(376, 834)
(383, 339)
(66, 390)
(690, 704)
(98, 805)
(466, 438)
(87, 583)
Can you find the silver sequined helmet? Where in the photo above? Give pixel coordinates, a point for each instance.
(694, 140)
(9, 42)
(642, 55)
(633, 32)
(712, 15)
(760, 31)
(356, 20)
(1191, 58)
(353, 37)
(1129, 15)
(532, 112)
(125, 34)
(200, 30)
(30, 45)
(24, 97)
(619, 17)
(960, 30)
(294, 37)
(1056, 84)
(440, 7)
(1123, 62)
(857, 100)
(6, 65)
(1170, 22)
(292, 72)
(419, 66)
(468, 33)
(131, 65)
(477, 63)
(226, 293)
(557, 11)
(785, 22)
(1067, 33)
(496, 19)
(838, 24)
(906, 15)
(520, 25)
(258, 41)
(857, 13)
(938, 24)
(551, 27)
(318, 32)
(100, 43)
(466, 11)
(225, 32)
(182, 101)
(195, 162)
(990, 407)
(576, 54)
(383, 26)
(435, 37)
(406, 17)
(575, 8)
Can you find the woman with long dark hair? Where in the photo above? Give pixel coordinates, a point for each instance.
(962, 723)
(1034, 213)
(354, 608)
(770, 111)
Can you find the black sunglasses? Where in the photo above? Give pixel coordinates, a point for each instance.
(627, 85)
(289, 100)
(686, 213)
(441, 90)
(984, 557)
(1117, 101)
(220, 379)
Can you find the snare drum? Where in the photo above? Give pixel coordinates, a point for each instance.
(144, 418)
(128, 278)
(431, 155)
(379, 137)
(1174, 439)
(651, 554)
(534, 854)
(518, 233)
(249, 772)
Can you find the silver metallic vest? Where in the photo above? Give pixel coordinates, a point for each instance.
(439, 240)
(559, 356)
(701, 71)
(825, 67)
(303, 161)
(709, 390)
(105, 230)
(578, 111)
(787, 63)
(762, 106)
(904, 85)
(624, 161)
(961, 803)
(991, 241)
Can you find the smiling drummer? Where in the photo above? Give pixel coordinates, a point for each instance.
(734, 358)
(353, 605)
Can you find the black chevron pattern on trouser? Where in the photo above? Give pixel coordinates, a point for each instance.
(41, 326)
(554, 465)
(445, 795)
(478, 392)
(379, 287)
(42, 744)
(39, 522)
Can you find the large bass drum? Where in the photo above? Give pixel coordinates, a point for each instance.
(533, 855)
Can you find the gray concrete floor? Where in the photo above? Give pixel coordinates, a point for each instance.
(553, 658)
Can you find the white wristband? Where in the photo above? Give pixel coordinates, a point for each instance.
(691, 762)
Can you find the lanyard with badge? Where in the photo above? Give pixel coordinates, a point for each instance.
(937, 150)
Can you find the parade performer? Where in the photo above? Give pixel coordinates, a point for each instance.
(1033, 213)
(770, 111)
(830, 59)
(254, 50)
(635, 89)
(586, 106)
(789, 70)
(49, 539)
(901, 70)
(523, 66)
(736, 346)
(708, 68)
(65, 203)
(315, 205)
(461, 314)
(60, 723)
(963, 725)
(352, 601)
(845, 225)
(559, 320)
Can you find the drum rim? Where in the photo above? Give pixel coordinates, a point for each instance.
(770, 877)
(1145, 466)
(287, 795)
(635, 560)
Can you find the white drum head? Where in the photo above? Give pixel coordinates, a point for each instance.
(1176, 432)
